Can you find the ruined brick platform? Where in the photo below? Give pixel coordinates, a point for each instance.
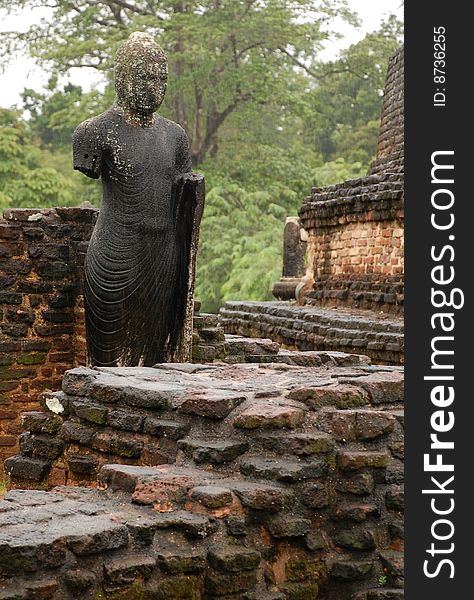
(355, 242)
(268, 481)
(307, 328)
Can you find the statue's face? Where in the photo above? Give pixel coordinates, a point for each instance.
(143, 88)
(141, 74)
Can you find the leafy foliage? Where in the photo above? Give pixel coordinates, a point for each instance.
(24, 180)
(223, 54)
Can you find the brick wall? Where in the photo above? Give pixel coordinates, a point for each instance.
(359, 248)
(391, 136)
(292, 476)
(41, 311)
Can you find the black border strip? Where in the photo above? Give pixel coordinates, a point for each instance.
(429, 129)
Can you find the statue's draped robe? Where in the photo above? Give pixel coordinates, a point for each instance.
(136, 281)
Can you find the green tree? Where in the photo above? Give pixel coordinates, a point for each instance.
(240, 253)
(267, 120)
(223, 54)
(25, 179)
(55, 112)
(341, 113)
(31, 176)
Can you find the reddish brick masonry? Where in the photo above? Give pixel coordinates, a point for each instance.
(41, 311)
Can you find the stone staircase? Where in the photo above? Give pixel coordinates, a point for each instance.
(268, 481)
(309, 328)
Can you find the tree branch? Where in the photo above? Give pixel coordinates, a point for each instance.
(216, 121)
(127, 6)
(317, 75)
(117, 13)
(77, 9)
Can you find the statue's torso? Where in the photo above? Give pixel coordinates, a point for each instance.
(139, 167)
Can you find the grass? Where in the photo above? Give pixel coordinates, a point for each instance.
(3, 487)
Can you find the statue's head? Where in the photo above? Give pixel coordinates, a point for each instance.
(141, 73)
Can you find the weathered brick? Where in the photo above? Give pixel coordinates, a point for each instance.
(265, 415)
(181, 560)
(79, 580)
(212, 496)
(355, 539)
(213, 404)
(46, 446)
(351, 570)
(355, 512)
(301, 444)
(53, 269)
(220, 583)
(173, 430)
(40, 422)
(8, 231)
(351, 461)
(126, 420)
(212, 451)
(23, 467)
(7, 440)
(288, 526)
(315, 494)
(395, 498)
(75, 432)
(88, 411)
(360, 484)
(34, 233)
(125, 569)
(14, 330)
(82, 464)
(108, 536)
(283, 470)
(233, 559)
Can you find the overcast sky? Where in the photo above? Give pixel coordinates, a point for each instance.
(23, 72)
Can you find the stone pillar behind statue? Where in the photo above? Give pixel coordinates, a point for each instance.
(294, 268)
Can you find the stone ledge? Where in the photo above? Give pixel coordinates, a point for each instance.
(280, 495)
(315, 329)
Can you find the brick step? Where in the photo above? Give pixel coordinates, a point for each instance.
(334, 329)
(314, 328)
(229, 464)
(238, 345)
(299, 314)
(299, 320)
(191, 414)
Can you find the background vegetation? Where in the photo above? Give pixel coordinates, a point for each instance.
(266, 117)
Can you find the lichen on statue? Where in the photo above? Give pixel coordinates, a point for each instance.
(141, 75)
(139, 267)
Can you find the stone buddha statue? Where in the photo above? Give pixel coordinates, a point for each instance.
(139, 267)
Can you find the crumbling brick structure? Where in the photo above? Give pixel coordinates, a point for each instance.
(41, 311)
(353, 236)
(223, 482)
(280, 481)
(355, 228)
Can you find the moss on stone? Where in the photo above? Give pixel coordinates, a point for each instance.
(354, 399)
(300, 591)
(35, 358)
(177, 588)
(301, 569)
(134, 592)
(6, 360)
